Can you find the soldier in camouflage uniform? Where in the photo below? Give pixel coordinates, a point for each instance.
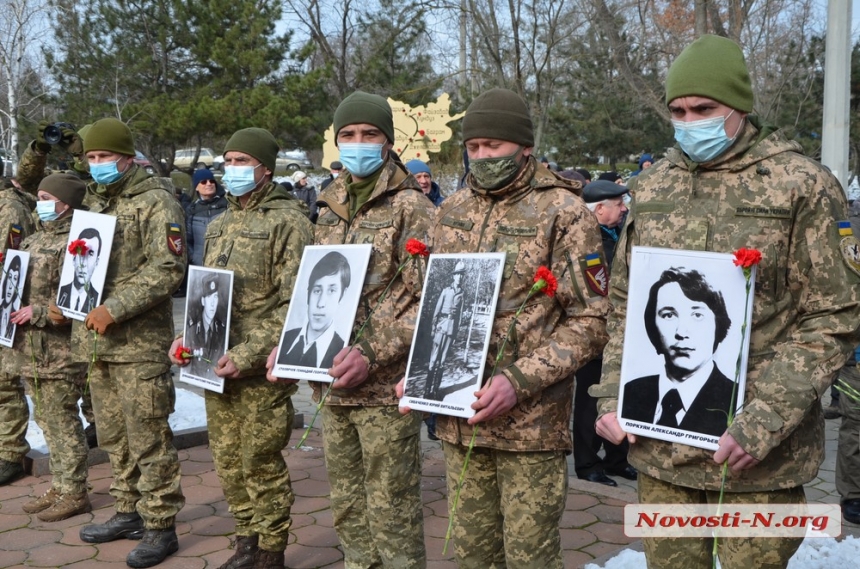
(260, 238)
(734, 182)
(130, 333)
(515, 205)
(16, 223)
(56, 382)
(373, 455)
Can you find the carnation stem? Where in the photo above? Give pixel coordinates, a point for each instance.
(37, 392)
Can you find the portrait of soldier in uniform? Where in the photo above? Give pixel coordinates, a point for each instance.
(11, 300)
(79, 294)
(686, 320)
(317, 342)
(206, 333)
(446, 325)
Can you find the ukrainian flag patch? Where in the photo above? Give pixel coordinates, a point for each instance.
(845, 228)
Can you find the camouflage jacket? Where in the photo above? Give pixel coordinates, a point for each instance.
(262, 244)
(145, 267)
(33, 167)
(762, 194)
(50, 346)
(538, 220)
(16, 218)
(395, 212)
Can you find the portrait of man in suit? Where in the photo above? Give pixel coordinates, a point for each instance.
(317, 343)
(206, 333)
(686, 320)
(79, 294)
(10, 297)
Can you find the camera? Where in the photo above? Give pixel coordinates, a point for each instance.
(53, 133)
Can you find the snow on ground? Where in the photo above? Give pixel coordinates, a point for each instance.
(817, 553)
(190, 413)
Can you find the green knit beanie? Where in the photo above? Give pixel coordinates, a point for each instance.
(258, 142)
(109, 134)
(67, 188)
(713, 67)
(499, 114)
(361, 107)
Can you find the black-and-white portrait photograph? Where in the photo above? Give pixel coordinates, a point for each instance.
(683, 337)
(85, 266)
(207, 325)
(322, 310)
(449, 348)
(15, 265)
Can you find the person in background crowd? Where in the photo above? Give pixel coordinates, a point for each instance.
(209, 203)
(645, 162)
(335, 169)
(733, 182)
(422, 173)
(306, 193)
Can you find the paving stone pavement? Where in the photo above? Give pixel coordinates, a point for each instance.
(591, 528)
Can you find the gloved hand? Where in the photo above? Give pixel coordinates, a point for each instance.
(56, 315)
(41, 143)
(99, 319)
(71, 141)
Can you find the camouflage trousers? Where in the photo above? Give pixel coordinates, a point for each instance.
(14, 416)
(848, 454)
(504, 517)
(56, 405)
(373, 459)
(132, 402)
(249, 425)
(734, 553)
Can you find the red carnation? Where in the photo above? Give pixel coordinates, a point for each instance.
(2, 256)
(545, 281)
(78, 247)
(415, 247)
(182, 353)
(746, 258)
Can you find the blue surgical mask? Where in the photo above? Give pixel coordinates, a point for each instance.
(239, 179)
(47, 210)
(703, 140)
(105, 173)
(360, 158)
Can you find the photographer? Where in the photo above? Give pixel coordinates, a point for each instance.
(32, 167)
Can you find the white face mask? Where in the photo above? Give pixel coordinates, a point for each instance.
(703, 140)
(239, 179)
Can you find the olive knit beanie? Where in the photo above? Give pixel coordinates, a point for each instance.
(109, 134)
(67, 188)
(713, 67)
(361, 107)
(499, 114)
(258, 142)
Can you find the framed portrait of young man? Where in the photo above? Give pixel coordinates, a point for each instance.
(207, 325)
(85, 264)
(15, 265)
(683, 339)
(322, 310)
(452, 335)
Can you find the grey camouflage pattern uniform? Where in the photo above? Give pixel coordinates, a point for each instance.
(504, 518)
(60, 380)
(761, 193)
(372, 452)
(16, 223)
(250, 423)
(133, 392)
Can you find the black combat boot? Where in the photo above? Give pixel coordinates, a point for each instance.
(10, 471)
(153, 548)
(268, 559)
(120, 526)
(246, 549)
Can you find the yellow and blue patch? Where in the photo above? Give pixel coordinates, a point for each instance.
(174, 239)
(845, 228)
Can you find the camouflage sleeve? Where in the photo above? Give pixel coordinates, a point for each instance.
(393, 322)
(823, 279)
(582, 335)
(163, 265)
(288, 245)
(31, 168)
(606, 391)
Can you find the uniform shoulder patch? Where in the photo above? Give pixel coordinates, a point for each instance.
(850, 249)
(15, 237)
(175, 243)
(595, 273)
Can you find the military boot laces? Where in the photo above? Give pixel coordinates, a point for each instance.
(66, 506)
(268, 559)
(153, 548)
(246, 549)
(10, 471)
(41, 503)
(120, 526)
